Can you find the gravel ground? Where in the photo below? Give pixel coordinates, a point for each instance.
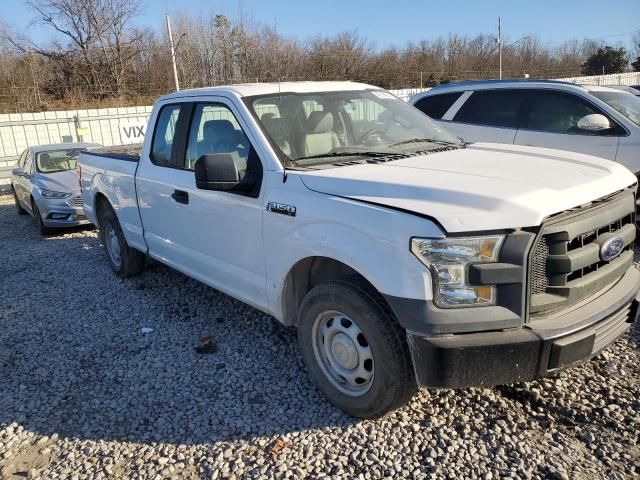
(99, 379)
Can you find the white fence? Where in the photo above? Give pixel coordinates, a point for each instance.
(20, 130)
(629, 78)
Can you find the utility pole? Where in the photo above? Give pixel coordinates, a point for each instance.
(173, 53)
(500, 45)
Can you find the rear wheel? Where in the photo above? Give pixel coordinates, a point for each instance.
(124, 260)
(354, 349)
(44, 230)
(21, 211)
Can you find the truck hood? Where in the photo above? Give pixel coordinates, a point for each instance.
(482, 187)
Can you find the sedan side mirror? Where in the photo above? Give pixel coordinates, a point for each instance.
(216, 171)
(594, 123)
(19, 172)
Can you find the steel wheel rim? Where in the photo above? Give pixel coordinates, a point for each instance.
(343, 353)
(112, 244)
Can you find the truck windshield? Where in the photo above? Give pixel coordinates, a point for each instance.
(625, 103)
(57, 160)
(309, 129)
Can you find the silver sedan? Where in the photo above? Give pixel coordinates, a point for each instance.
(45, 184)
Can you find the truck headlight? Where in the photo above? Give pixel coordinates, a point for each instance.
(448, 259)
(51, 194)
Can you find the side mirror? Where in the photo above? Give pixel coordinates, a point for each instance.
(594, 123)
(216, 171)
(19, 172)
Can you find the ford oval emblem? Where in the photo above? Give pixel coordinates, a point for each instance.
(611, 248)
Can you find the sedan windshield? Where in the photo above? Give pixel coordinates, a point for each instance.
(308, 129)
(625, 103)
(57, 160)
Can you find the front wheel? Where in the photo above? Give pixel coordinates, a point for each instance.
(44, 230)
(124, 260)
(354, 349)
(19, 209)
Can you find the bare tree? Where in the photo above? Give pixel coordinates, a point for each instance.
(97, 56)
(95, 41)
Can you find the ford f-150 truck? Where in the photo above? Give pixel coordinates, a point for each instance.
(403, 256)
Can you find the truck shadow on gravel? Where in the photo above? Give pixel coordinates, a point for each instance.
(85, 355)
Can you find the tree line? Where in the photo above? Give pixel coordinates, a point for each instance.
(100, 58)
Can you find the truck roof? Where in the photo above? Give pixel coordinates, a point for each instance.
(251, 89)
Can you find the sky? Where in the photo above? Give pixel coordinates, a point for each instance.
(395, 22)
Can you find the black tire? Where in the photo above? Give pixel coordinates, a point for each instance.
(21, 211)
(393, 383)
(42, 228)
(131, 261)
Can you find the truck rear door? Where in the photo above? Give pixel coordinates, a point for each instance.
(213, 236)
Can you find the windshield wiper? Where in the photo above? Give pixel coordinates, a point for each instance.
(364, 153)
(424, 140)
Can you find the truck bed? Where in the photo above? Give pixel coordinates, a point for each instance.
(129, 153)
(111, 172)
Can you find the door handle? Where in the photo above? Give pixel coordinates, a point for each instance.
(180, 196)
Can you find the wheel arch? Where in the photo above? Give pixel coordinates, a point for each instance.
(100, 204)
(310, 272)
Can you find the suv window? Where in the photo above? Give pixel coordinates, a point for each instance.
(495, 108)
(437, 105)
(214, 129)
(163, 135)
(557, 112)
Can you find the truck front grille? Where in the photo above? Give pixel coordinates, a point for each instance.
(539, 279)
(565, 264)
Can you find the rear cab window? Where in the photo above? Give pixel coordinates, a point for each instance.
(436, 106)
(163, 135)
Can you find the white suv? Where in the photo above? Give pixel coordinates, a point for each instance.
(596, 120)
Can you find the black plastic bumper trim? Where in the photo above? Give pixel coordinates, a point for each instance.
(523, 354)
(495, 273)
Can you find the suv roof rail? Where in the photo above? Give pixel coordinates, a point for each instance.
(493, 82)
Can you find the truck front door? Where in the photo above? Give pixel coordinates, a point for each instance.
(213, 236)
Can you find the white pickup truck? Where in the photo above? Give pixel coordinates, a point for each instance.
(403, 256)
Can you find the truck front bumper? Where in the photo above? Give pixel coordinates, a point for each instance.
(539, 348)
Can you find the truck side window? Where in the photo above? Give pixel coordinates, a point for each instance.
(437, 105)
(494, 108)
(214, 129)
(163, 135)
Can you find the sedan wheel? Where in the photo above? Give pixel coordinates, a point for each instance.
(44, 230)
(21, 211)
